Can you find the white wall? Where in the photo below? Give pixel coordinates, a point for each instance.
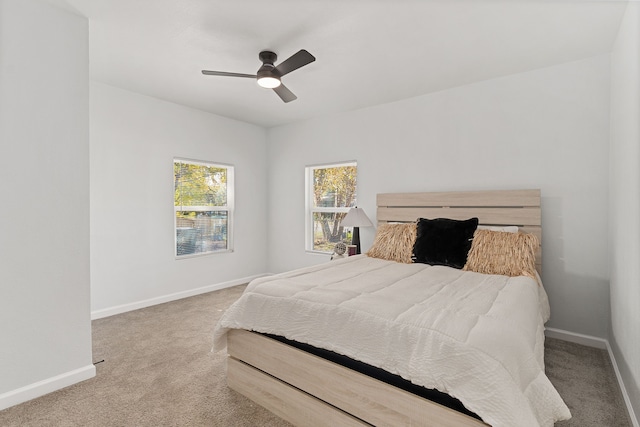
(546, 129)
(625, 202)
(45, 332)
(134, 139)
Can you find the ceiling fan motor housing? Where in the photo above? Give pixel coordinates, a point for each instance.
(268, 69)
(267, 57)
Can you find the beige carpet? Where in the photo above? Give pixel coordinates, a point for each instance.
(158, 371)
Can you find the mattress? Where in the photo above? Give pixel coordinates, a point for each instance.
(476, 337)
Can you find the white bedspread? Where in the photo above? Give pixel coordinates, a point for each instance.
(479, 338)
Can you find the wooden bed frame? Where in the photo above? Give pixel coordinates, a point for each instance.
(307, 390)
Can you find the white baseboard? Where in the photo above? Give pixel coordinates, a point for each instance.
(106, 312)
(625, 395)
(588, 340)
(603, 344)
(47, 386)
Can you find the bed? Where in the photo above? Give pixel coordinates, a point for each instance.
(478, 338)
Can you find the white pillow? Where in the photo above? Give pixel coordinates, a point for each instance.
(506, 229)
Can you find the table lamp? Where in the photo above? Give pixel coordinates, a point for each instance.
(356, 218)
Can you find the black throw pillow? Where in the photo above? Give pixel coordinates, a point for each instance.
(444, 241)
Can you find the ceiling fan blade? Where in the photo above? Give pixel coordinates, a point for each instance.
(295, 61)
(223, 73)
(284, 93)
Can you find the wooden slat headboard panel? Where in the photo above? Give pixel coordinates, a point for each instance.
(494, 207)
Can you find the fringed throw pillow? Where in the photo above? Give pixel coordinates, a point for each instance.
(394, 242)
(507, 254)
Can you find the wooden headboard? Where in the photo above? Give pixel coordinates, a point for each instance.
(495, 207)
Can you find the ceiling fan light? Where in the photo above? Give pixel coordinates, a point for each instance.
(269, 82)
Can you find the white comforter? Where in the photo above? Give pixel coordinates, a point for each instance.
(477, 337)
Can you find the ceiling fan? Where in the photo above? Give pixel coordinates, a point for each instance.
(269, 75)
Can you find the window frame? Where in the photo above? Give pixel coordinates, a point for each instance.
(309, 200)
(229, 207)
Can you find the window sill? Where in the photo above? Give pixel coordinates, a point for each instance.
(203, 254)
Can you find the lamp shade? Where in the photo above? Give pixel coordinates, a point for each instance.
(356, 218)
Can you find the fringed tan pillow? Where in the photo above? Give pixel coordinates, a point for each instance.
(394, 242)
(508, 254)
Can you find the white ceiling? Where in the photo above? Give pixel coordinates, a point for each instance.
(368, 52)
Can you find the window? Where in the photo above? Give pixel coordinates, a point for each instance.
(330, 192)
(203, 201)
